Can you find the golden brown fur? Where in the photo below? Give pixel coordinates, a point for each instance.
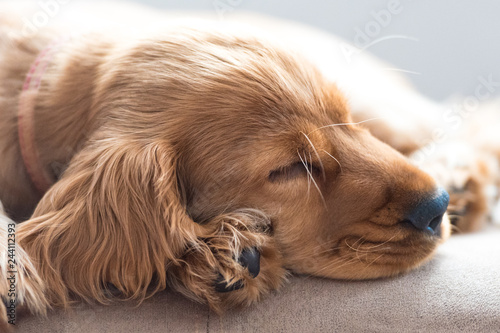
(168, 153)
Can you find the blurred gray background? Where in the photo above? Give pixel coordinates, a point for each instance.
(456, 40)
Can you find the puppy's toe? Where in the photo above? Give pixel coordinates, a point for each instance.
(235, 262)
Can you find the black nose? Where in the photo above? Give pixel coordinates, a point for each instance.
(428, 214)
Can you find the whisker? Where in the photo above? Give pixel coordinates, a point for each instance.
(327, 250)
(336, 160)
(313, 181)
(371, 263)
(356, 250)
(345, 263)
(387, 241)
(317, 155)
(370, 249)
(310, 161)
(345, 124)
(308, 165)
(400, 70)
(308, 179)
(331, 265)
(381, 39)
(346, 259)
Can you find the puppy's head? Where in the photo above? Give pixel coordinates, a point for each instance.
(256, 127)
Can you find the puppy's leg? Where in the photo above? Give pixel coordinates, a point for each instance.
(116, 217)
(220, 256)
(20, 284)
(466, 161)
(470, 175)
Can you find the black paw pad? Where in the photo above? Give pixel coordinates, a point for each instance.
(250, 259)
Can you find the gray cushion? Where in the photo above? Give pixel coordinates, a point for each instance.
(458, 291)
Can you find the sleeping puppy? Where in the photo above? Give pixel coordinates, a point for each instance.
(208, 161)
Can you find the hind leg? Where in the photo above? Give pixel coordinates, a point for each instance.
(470, 175)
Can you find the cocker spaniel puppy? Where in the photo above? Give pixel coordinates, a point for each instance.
(210, 162)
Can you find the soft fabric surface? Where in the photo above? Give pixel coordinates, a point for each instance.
(458, 291)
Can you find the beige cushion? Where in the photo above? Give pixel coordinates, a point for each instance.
(458, 291)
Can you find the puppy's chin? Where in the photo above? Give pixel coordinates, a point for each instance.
(369, 255)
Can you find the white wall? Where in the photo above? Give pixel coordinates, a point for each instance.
(457, 40)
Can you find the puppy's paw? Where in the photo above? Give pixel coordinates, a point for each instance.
(234, 263)
(470, 177)
(249, 259)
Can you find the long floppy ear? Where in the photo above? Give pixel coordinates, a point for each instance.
(116, 217)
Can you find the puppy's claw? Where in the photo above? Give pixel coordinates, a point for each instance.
(249, 258)
(222, 287)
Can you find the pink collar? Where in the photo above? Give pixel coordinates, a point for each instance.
(41, 179)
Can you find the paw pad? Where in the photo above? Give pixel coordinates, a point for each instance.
(250, 259)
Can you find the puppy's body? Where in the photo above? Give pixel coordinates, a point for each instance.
(64, 104)
(71, 103)
(172, 152)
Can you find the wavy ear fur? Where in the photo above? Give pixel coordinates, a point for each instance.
(112, 218)
(116, 217)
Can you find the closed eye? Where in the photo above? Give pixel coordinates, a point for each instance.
(292, 171)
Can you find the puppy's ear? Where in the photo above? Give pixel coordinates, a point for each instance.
(114, 217)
